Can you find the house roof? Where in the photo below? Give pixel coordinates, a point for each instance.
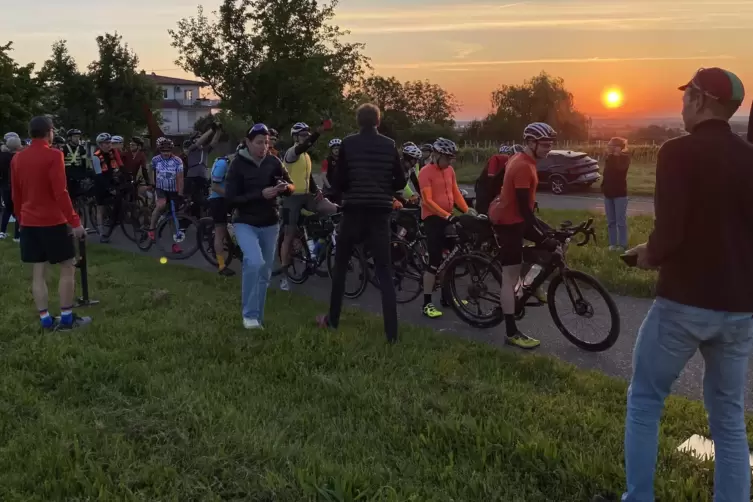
(163, 80)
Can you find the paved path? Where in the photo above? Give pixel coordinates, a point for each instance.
(615, 362)
(584, 201)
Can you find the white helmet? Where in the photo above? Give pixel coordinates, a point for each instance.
(10, 135)
(103, 137)
(411, 150)
(506, 150)
(335, 142)
(539, 131)
(445, 147)
(164, 144)
(117, 139)
(516, 149)
(298, 128)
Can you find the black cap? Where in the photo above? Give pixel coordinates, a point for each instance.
(39, 127)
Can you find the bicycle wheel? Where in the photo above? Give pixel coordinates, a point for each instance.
(91, 211)
(575, 285)
(298, 271)
(407, 271)
(355, 275)
(177, 243)
(131, 221)
(472, 285)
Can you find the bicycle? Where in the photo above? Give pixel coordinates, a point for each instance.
(553, 267)
(176, 226)
(205, 236)
(312, 244)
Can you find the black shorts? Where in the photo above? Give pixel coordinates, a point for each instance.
(47, 244)
(436, 239)
(218, 210)
(168, 196)
(102, 186)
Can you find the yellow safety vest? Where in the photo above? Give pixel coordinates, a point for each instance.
(300, 173)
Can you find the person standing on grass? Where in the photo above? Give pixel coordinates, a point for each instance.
(702, 245)
(369, 172)
(12, 146)
(253, 183)
(46, 215)
(614, 188)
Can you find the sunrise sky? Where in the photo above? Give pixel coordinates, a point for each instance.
(646, 48)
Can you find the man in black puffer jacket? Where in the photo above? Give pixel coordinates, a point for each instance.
(368, 174)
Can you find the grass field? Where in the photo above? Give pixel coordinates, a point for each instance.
(165, 397)
(641, 178)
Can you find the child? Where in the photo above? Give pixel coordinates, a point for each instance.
(614, 188)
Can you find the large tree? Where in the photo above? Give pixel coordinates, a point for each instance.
(541, 99)
(120, 89)
(19, 94)
(276, 61)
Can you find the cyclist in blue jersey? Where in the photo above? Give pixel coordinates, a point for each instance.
(218, 209)
(167, 172)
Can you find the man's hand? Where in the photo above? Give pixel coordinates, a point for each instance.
(318, 196)
(79, 232)
(641, 251)
(271, 192)
(472, 212)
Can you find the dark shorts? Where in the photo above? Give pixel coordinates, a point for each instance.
(102, 186)
(292, 206)
(218, 210)
(510, 240)
(47, 244)
(168, 196)
(436, 239)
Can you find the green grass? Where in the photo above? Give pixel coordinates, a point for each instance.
(597, 260)
(165, 397)
(641, 178)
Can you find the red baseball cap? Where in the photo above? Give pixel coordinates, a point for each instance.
(719, 84)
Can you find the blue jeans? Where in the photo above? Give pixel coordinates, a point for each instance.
(669, 336)
(258, 246)
(616, 210)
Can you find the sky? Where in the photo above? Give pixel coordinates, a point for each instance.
(646, 48)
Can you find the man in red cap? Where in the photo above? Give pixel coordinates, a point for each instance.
(702, 245)
(47, 219)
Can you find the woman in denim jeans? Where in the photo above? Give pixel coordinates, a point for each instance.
(254, 181)
(614, 188)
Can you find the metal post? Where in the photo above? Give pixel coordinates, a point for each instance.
(84, 301)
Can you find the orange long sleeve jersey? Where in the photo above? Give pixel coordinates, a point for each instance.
(439, 192)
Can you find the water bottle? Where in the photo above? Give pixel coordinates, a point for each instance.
(532, 274)
(317, 247)
(311, 245)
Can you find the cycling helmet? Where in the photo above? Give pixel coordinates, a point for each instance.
(427, 147)
(412, 151)
(187, 143)
(539, 131)
(73, 132)
(103, 137)
(117, 139)
(165, 144)
(298, 128)
(273, 133)
(505, 150)
(10, 135)
(517, 149)
(138, 141)
(58, 140)
(335, 142)
(445, 147)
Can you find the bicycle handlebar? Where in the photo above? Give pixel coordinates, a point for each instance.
(567, 231)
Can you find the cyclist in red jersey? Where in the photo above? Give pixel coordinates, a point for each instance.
(513, 219)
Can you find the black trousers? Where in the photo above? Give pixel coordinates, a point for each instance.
(373, 229)
(195, 190)
(8, 212)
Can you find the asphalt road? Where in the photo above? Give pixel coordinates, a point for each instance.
(615, 362)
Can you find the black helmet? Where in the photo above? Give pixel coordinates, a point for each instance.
(273, 133)
(187, 143)
(58, 140)
(73, 132)
(138, 141)
(427, 147)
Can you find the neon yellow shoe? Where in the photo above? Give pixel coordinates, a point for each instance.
(431, 311)
(540, 295)
(522, 341)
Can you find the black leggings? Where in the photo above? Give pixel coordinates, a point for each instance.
(5, 193)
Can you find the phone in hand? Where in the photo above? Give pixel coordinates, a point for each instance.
(631, 260)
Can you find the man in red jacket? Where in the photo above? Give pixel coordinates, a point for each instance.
(47, 218)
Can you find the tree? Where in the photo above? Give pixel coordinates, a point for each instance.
(119, 89)
(279, 62)
(540, 99)
(19, 94)
(68, 93)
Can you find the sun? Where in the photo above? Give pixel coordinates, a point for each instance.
(612, 98)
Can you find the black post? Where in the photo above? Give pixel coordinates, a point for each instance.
(84, 301)
(750, 125)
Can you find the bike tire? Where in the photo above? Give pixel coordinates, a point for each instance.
(185, 223)
(357, 289)
(614, 332)
(461, 305)
(130, 221)
(298, 273)
(407, 267)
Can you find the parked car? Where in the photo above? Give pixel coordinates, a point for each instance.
(563, 169)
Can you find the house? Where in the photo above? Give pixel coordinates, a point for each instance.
(182, 104)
